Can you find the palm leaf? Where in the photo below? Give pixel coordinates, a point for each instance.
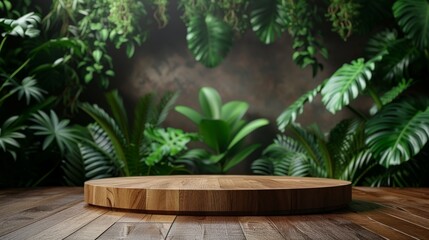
(73, 168)
(29, 89)
(346, 84)
(99, 156)
(314, 144)
(97, 165)
(165, 105)
(413, 18)
(399, 131)
(284, 157)
(142, 114)
(110, 127)
(118, 110)
(54, 129)
(209, 39)
(9, 135)
(290, 114)
(394, 176)
(267, 19)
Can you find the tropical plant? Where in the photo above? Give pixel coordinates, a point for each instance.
(26, 131)
(113, 148)
(396, 130)
(212, 26)
(309, 152)
(222, 129)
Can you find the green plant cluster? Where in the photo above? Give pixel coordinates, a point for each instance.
(43, 70)
(222, 128)
(386, 145)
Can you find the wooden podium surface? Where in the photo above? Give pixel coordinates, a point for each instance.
(60, 213)
(219, 194)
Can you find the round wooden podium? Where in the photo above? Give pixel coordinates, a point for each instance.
(219, 194)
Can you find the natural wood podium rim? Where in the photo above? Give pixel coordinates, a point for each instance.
(219, 194)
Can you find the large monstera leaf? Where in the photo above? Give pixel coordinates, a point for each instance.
(413, 18)
(267, 19)
(346, 84)
(399, 131)
(209, 39)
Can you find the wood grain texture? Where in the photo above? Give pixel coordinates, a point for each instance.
(213, 194)
(374, 213)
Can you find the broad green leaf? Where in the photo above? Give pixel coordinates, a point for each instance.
(190, 113)
(413, 18)
(346, 84)
(211, 103)
(240, 156)
(232, 112)
(267, 19)
(399, 131)
(215, 134)
(209, 39)
(246, 130)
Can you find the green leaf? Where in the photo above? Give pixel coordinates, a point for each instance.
(267, 19)
(240, 156)
(210, 102)
(29, 89)
(215, 134)
(232, 112)
(54, 129)
(393, 93)
(399, 131)
(290, 114)
(190, 113)
(413, 18)
(142, 113)
(110, 127)
(97, 54)
(209, 39)
(246, 130)
(346, 84)
(118, 110)
(9, 135)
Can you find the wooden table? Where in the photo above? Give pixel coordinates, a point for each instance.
(60, 213)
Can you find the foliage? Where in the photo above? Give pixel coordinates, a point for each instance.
(209, 39)
(309, 153)
(413, 18)
(399, 131)
(268, 19)
(222, 129)
(343, 14)
(115, 146)
(27, 133)
(394, 133)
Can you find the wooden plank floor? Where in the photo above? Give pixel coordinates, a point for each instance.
(60, 213)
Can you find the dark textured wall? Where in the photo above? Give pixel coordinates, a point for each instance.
(262, 75)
